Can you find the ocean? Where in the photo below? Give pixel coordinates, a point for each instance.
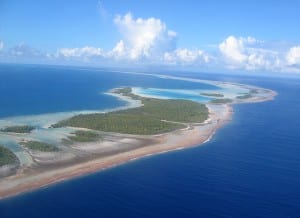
(250, 168)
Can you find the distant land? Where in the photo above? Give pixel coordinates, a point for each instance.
(155, 116)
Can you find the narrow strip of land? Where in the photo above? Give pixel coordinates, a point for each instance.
(104, 140)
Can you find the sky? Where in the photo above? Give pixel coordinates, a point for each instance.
(209, 35)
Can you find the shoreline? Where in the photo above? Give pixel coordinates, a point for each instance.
(138, 146)
(47, 119)
(176, 140)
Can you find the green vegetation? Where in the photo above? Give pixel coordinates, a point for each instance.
(254, 91)
(218, 95)
(221, 101)
(121, 123)
(127, 91)
(7, 156)
(40, 146)
(149, 119)
(124, 90)
(246, 96)
(84, 136)
(18, 129)
(173, 110)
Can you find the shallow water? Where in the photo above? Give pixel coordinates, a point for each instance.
(251, 168)
(94, 92)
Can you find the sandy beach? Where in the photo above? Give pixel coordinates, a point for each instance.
(116, 149)
(26, 180)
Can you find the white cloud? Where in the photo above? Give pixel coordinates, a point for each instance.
(293, 56)
(250, 40)
(144, 38)
(149, 41)
(23, 50)
(233, 49)
(141, 39)
(84, 52)
(186, 56)
(248, 53)
(23, 53)
(118, 51)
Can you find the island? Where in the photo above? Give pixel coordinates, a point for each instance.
(245, 96)
(7, 157)
(217, 95)
(18, 129)
(221, 101)
(8, 162)
(82, 136)
(89, 142)
(154, 117)
(250, 94)
(40, 146)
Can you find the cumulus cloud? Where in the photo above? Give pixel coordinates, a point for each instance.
(233, 49)
(143, 38)
(186, 57)
(23, 53)
(248, 53)
(23, 50)
(293, 56)
(149, 41)
(118, 51)
(86, 51)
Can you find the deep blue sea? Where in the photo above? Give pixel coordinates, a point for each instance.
(251, 167)
(27, 90)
